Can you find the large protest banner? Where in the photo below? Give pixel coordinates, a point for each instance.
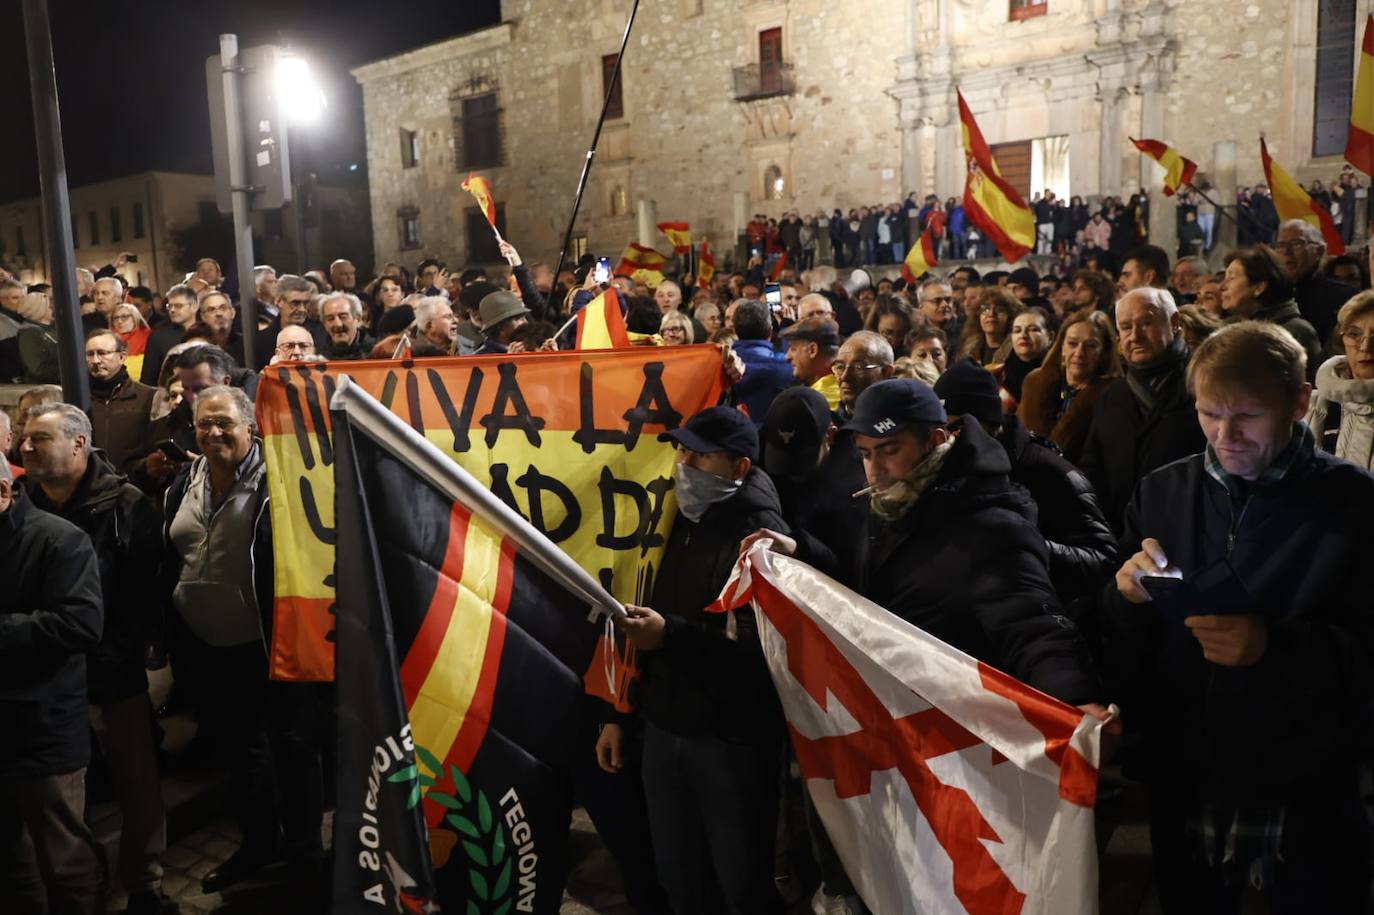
(569, 440)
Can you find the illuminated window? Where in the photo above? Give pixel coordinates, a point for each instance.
(773, 184)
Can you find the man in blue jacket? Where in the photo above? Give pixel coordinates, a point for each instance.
(766, 371)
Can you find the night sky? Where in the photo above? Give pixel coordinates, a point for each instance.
(131, 76)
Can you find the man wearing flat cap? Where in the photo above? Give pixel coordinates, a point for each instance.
(712, 725)
(812, 345)
(951, 544)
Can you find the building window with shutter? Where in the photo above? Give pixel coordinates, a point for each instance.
(408, 221)
(20, 248)
(1334, 76)
(481, 133)
(410, 148)
(116, 230)
(770, 62)
(615, 108)
(95, 227)
(138, 220)
(482, 247)
(1027, 9)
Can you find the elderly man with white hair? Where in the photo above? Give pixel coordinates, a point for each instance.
(342, 315)
(1147, 418)
(436, 323)
(1300, 248)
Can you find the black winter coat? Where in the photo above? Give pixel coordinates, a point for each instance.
(1320, 299)
(701, 683)
(50, 616)
(124, 530)
(967, 565)
(823, 505)
(1124, 443)
(1291, 725)
(1082, 548)
(1287, 316)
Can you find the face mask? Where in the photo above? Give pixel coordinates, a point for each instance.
(698, 490)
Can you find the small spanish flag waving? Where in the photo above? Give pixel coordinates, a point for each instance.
(679, 234)
(639, 257)
(1178, 171)
(778, 268)
(600, 325)
(920, 258)
(990, 202)
(480, 189)
(706, 264)
(1359, 145)
(1292, 202)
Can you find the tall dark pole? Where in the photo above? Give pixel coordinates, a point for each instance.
(57, 210)
(596, 138)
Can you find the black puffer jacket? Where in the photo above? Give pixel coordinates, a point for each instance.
(1292, 725)
(1082, 548)
(124, 530)
(50, 616)
(701, 683)
(967, 565)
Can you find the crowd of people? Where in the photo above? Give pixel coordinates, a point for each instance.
(1009, 460)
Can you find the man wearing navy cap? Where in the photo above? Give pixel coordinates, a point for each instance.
(951, 544)
(713, 728)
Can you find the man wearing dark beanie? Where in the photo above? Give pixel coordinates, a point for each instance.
(1082, 550)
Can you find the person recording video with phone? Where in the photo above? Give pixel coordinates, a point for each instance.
(1241, 630)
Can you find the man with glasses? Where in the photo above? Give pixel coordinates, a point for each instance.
(217, 313)
(935, 299)
(120, 407)
(293, 303)
(864, 359)
(294, 344)
(181, 314)
(1300, 248)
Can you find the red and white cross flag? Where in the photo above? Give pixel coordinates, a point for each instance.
(945, 785)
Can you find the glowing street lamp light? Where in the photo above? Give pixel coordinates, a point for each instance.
(301, 97)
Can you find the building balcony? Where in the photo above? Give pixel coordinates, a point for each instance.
(756, 82)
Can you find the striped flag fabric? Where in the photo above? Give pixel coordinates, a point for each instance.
(679, 236)
(920, 258)
(640, 257)
(776, 273)
(601, 324)
(1292, 202)
(463, 641)
(1178, 171)
(480, 189)
(990, 203)
(1359, 144)
(944, 784)
(706, 264)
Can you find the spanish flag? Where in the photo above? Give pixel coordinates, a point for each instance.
(990, 203)
(464, 644)
(778, 268)
(1178, 171)
(639, 257)
(679, 234)
(600, 324)
(1359, 145)
(480, 189)
(1292, 202)
(706, 264)
(920, 258)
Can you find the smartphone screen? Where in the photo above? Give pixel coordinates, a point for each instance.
(602, 273)
(772, 294)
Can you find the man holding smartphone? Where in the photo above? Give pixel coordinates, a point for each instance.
(1253, 707)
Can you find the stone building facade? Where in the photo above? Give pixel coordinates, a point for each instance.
(732, 107)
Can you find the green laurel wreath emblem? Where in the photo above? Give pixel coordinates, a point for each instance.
(480, 831)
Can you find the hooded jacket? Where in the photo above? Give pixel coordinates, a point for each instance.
(123, 529)
(702, 683)
(50, 617)
(1347, 403)
(966, 564)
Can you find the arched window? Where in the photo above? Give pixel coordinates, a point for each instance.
(620, 201)
(773, 184)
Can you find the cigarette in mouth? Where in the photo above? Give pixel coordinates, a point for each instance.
(863, 492)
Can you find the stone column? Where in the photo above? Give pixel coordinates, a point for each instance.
(1163, 209)
(1224, 193)
(648, 221)
(1109, 145)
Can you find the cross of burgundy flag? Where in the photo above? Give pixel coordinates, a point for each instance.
(945, 785)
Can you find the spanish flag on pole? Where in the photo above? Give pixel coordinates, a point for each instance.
(480, 189)
(1178, 171)
(706, 264)
(1359, 145)
(639, 257)
(991, 204)
(920, 258)
(1292, 202)
(600, 325)
(679, 234)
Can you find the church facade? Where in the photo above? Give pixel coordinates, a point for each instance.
(726, 108)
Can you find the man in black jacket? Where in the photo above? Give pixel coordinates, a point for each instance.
(1146, 419)
(1251, 679)
(66, 477)
(1300, 247)
(342, 315)
(50, 617)
(714, 727)
(1082, 548)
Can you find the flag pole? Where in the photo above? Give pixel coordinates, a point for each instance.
(596, 138)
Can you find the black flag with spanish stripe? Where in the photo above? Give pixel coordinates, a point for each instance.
(462, 650)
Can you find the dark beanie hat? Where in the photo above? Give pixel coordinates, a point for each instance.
(969, 389)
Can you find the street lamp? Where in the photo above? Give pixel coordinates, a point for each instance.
(303, 101)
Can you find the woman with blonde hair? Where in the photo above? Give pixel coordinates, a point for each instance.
(1059, 398)
(127, 321)
(1342, 412)
(675, 328)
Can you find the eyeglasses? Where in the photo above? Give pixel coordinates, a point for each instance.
(295, 346)
(839, 368)
(989, 310)
(100, 353)
(1292, 244)
(222, 423)
(1354, 337)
